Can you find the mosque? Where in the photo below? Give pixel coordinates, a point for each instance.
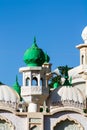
(63, 107)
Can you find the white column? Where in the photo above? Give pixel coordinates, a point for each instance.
(30, 77)
(33, 107)
(86, 89)
(38, 79)
(23, 79)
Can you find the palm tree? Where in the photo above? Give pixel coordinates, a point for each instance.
(57, 78)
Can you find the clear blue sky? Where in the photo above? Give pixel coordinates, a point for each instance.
(57, 25)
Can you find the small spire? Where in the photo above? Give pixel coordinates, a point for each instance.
(34, 39)
(16, 86)
(67, 82)
(66, 72)
(16, 79)
(34, 43)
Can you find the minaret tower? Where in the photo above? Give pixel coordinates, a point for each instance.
(83, 48)
(83, 57)
(35, 90)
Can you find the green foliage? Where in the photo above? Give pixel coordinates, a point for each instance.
(63, 69)
(57, 78)
(53, 80)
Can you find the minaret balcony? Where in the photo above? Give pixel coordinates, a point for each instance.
(35, 90)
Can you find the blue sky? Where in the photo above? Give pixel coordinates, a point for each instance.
(57, 25)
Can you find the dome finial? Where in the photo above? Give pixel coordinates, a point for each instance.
(34, 39)
(16, 79)
(34, 45)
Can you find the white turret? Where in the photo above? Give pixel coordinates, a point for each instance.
(35, 90)
(82, 69)
(83, 48)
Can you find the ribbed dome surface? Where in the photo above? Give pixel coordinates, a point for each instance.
(8, 95)
(71, 93)
(67, 93)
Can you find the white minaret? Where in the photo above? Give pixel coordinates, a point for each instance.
(83, 56)
(34, 90)
(83, 48)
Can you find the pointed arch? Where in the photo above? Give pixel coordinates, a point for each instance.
(41, 82)
(34, 81)
(82, 59)
(65, 119)
(6, 124)
(27, 81)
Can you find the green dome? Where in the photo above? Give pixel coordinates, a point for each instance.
(34, 56)
(17, 87)
(47, 58)
(56, 85)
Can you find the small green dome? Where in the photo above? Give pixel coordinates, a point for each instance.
(47, 58)
(17, 87)
(56, 85)
(34, 56)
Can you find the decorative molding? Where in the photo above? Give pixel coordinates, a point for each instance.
(30, 90)
(68, 103)
(10, 106)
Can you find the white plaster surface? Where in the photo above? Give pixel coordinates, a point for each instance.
(19, 122)
(51, 120)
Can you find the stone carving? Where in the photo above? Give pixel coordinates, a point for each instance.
(68, 103)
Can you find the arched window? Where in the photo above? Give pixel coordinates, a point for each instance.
(41, 82)
(34, 82)
(67, 125)
(27, 81)
(82, 59)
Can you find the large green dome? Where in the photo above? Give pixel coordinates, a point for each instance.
(34, 56)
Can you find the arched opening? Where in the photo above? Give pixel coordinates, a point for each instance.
(41, 82)
(67, 123)
(34, 82)
(82, 59)
(27, 81)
